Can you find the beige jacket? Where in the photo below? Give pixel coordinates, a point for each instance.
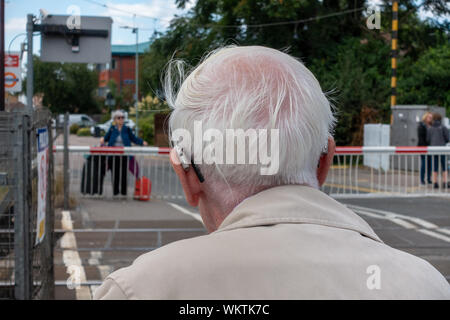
(288, 242)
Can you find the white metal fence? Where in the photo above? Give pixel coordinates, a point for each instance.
(112, 172)
(388, 171)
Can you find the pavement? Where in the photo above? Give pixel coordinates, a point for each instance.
(102, 236)
(75, 140)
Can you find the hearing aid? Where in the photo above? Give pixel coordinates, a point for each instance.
(182, 157)
(185, 163)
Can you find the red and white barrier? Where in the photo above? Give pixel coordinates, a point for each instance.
(396, 171)
(393, 150)
(339, 150)
(114, 150)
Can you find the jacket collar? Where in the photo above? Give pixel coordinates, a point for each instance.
(436, 123)
(294, 204)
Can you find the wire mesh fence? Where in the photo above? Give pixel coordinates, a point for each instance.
(26, 241)
(6, 205)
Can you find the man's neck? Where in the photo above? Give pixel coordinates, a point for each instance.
(214, 207)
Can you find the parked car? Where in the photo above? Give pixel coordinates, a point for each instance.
(82, 120)
(100, 129)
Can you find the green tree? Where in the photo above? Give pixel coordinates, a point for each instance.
(427, 80)
(356, 76)
(66, 86)
(345, 56)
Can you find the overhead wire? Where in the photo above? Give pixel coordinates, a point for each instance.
(216, 25)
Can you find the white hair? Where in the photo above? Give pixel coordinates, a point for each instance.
(253, 88)
(118, 113)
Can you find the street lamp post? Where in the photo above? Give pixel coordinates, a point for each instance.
(136, 81)
(30, 66)
(136, 85)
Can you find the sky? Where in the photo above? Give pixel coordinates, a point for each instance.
(121, 11)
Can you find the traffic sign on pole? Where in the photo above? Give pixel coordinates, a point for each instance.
(13, 77)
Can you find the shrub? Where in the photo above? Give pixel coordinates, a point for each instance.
(105, 117)
(74, 128)
(146, 128)
(83, 132)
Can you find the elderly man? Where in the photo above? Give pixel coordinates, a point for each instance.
(271, 235)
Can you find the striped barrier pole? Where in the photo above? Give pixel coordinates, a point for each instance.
(394, 53)
(339, 150)
(393, 150)
(114, 150)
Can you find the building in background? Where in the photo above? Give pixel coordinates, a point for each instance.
(121, 69)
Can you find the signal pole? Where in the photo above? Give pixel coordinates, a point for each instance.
(30, 71)
(2, 55)
(394, 53)
(136, 84)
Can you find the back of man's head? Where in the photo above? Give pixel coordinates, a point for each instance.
(251, 88)
(437, 116)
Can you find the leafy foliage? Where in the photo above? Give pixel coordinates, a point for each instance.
(346, 57)
(427, 80)
(360, 77)
(74, 128)
(66, 86)
(84, 132)
(148, 106)
(147, 128)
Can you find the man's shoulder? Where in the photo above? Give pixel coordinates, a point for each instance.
(192, 263)
(417, 275)
(158, 269)
(185, 247)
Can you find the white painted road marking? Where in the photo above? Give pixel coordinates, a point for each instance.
(434, 234)
(94, 260)
(71, 257)
(444, 230)
(196, 216)
(403, 223)
(426, 227)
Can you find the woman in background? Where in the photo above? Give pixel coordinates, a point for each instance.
(425, 160)
(119, 135)
(437, 135)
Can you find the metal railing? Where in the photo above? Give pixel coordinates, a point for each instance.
(356, 171)
(116, 172)
(388, 171)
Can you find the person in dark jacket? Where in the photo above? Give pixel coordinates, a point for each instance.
(425, 160)
(119, 135)
(437, 135)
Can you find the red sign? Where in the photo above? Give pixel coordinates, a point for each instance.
(11, 60)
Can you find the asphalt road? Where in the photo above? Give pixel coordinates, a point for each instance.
(420, 226)
(102, 236)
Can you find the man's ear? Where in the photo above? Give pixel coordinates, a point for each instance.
(325, 162)
(188, 179)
